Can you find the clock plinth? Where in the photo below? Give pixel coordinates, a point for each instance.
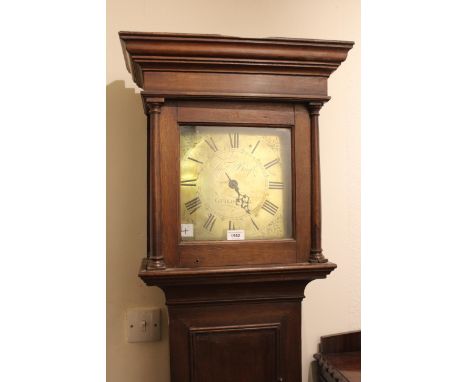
(234, 196)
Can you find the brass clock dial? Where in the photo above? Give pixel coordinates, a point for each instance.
(235, 178)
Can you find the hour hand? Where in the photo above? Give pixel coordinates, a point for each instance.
(233, 184)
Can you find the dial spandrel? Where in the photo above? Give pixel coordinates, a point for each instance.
(236, 178)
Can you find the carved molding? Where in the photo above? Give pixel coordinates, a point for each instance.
(335, 374)
(154, 108)
(152, 105)
(163, 51)
(301, 272)
(314, 108)
(147, 54)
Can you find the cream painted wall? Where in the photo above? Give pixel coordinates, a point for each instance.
(331, 305)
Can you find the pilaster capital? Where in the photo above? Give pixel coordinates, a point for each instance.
(153, 105)
(314, 108)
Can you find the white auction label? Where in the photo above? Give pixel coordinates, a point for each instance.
(186, 230)
(235, 234)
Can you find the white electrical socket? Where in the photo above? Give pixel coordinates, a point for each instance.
(143, 325)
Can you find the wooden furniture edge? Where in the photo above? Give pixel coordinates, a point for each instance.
(234, 275)
(149, 97)
(335, 374)
(339, 343)
(128, 35)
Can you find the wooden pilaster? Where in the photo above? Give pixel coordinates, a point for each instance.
(154, 228)
(316, 255)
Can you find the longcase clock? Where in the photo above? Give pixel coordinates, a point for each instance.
(234, 214)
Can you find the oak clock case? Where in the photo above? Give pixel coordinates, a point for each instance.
(233, 147)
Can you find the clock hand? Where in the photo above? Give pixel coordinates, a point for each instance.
(233, 184)
(243, 199)
(244, 202)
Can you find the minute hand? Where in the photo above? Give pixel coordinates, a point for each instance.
(242, 199)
